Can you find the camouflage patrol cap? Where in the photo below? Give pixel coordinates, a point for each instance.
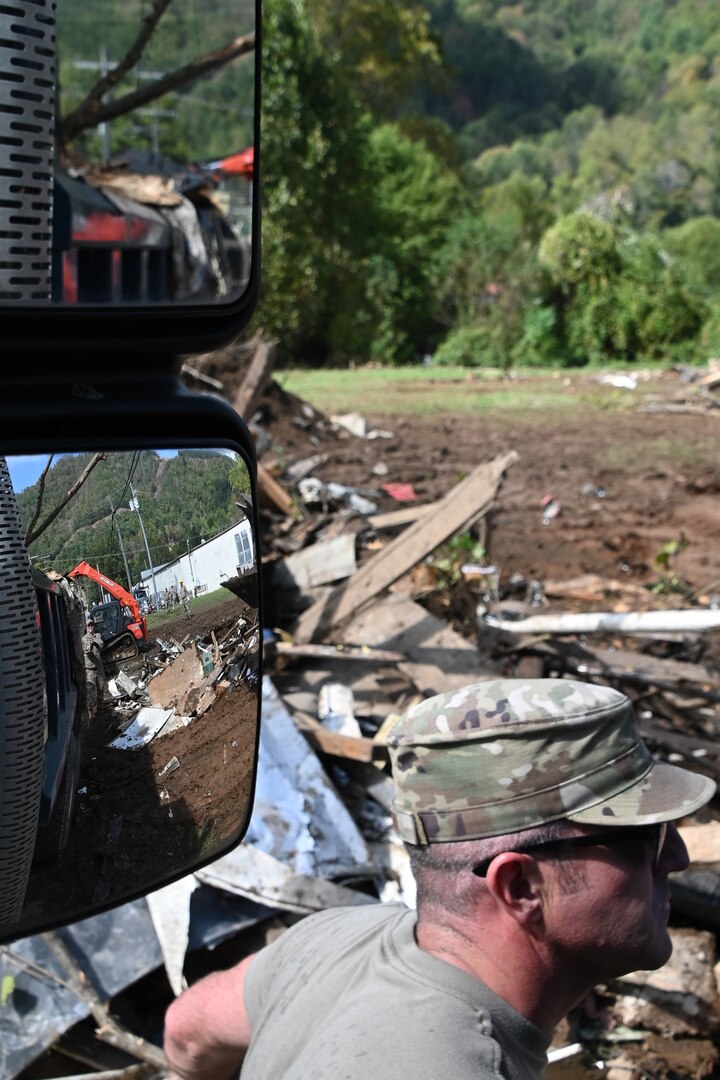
(505, 755)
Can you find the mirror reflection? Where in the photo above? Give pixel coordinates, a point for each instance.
(145, 579)
(147, 184)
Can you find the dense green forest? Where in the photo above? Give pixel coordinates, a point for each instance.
(488, 183)
(183, 500)
(492, 183)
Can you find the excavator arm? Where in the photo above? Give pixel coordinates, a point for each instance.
(84, 569)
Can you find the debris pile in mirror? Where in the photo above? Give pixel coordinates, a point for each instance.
(365, 614)
(181, 680)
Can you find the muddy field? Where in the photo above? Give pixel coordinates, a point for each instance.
(627, 482)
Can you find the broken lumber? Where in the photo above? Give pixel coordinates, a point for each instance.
(274, 493)
(467, 501)
(320, 564)
(406, 515)
(338, 652)
(201, 377)
(109, 1030)
(132, 1072)
(352, 747)
(435, 657)
(642, 669)
(591, 588)
(256, 379)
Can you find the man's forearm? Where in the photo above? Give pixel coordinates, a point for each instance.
(207, 1029)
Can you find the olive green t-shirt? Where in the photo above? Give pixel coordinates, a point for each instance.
(348, 995)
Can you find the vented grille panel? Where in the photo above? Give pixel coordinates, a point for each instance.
(21, 708)
(27, 108)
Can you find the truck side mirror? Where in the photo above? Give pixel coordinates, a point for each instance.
(129, 706)
(128, 190)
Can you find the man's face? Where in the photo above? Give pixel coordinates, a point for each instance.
(615, 920)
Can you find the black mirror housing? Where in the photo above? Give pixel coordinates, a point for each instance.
(67, 747)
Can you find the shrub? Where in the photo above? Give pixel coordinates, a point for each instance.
(471, 346)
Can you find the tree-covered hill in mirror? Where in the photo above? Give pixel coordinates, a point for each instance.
(183, 499)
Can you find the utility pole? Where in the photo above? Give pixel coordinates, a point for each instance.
(122, 546)
(135, 505)
(192, 570)
(103, 66)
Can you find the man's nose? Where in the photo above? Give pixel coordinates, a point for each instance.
(674, 855)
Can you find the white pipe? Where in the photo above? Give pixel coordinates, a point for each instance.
(594, 622)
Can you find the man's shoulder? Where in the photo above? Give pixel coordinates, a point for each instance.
(353, 921)
(319, 951)
(332, 934)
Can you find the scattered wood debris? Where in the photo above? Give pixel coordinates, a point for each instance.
(356, 599)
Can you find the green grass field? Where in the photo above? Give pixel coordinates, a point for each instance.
(422, 391)
(157, 620)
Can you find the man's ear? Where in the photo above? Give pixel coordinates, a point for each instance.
(515, 882)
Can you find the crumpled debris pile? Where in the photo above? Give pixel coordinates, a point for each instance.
(365, 605)
(181, 680)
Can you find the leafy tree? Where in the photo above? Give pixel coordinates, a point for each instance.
(490, 277)
(618, 297)
(315, 184)
(695, 247)
(388, 48)
(414, 199)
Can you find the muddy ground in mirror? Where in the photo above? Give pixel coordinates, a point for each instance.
(131, 825)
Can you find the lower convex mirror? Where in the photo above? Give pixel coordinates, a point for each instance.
(130, 750)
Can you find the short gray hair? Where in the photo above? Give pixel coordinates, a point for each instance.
(443, 872)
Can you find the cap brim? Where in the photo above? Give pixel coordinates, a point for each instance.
(665, 793)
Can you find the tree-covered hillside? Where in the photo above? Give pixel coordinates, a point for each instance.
(538, 183)
(183, 499)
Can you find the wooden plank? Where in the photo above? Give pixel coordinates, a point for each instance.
(343, 746)
(687, 745)
(406, 515)
(591, 588)
(275, 493)
(256, 379)
(320, 564)
(79, 1044)
(711, 379)
(201, 377)
(638, 668)
(133, 1072)
(338, 652)
(437, 658)
(468, 500)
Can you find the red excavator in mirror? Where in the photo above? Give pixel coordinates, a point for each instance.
(119, 622)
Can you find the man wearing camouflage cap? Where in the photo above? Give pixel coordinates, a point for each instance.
(541, 834)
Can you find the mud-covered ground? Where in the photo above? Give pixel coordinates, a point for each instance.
(628, 482)
(132, 824)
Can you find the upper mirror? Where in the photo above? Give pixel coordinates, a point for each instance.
(138, 757)
(127, 178)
